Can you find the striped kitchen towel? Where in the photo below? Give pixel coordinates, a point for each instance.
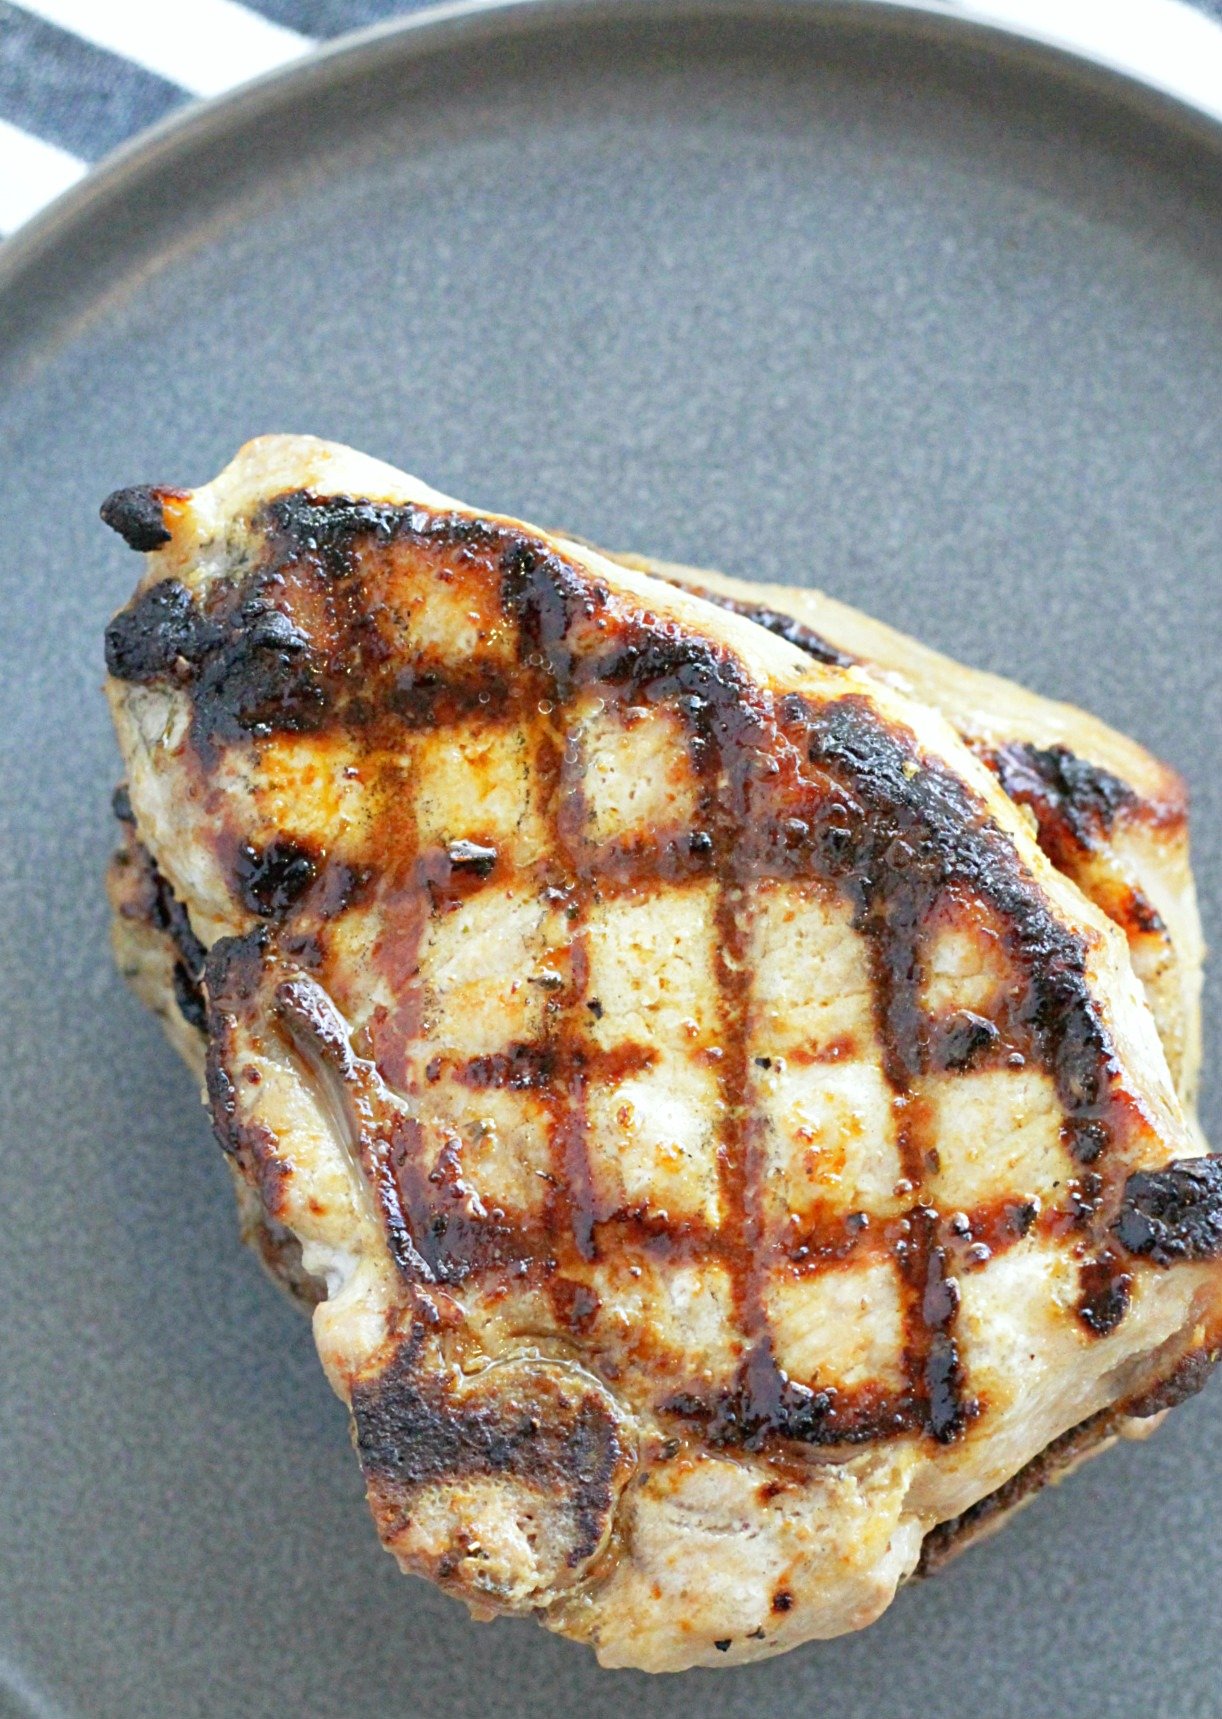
(78, 77)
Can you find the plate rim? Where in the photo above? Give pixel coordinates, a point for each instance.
(1076, 44)
(455, 23)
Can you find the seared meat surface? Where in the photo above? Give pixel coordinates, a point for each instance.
(730, 1149)
(1108, 814)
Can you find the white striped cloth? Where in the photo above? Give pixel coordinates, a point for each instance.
(78, 77)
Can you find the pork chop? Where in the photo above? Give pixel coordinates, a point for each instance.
(728, 1146)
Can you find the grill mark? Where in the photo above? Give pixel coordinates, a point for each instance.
(542, 594)
(1076, 803)
(892, 896)
(764, 1406)
(892, 841)
(971, 1237)
(787, 627)
(932, 1358)
(718, 729)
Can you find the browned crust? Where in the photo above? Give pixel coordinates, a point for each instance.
(289, 647)
(948, 1539)
(397, 1425)
(547, 1429)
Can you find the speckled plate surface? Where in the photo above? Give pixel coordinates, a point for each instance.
(860, 295)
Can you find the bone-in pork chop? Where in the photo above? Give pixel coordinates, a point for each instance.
(728, 1148)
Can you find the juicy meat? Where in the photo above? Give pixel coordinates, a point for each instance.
(729, 1148)
(1108, 814)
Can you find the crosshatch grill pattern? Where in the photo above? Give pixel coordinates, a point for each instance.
(681, 1038)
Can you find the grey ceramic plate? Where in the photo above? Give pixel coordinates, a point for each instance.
(848, 294)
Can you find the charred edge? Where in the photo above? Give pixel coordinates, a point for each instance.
(907, 836)
(945, 1541)
(410, 1434)
(546, 596)
(248, 668)
(1190, 1375)
(1075, 803)
(138, 515)
(189, 997)
(330, 530)
(1173, 1214)
(167, 915)
(146, 639)
(251, 670)
(1137, 916)
(950, 1538)
(280, 1252)
(787, 627)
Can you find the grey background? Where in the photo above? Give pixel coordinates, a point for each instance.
(939, 333)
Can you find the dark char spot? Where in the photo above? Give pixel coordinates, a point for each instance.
(1173, 1214)
(189, 996)
(138, 516)
(968, 1037)
(145, 640)
(270, 880)
(414, 1431)
(1106, 1293)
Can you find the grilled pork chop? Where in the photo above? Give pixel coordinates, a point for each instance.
(729, 1148)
